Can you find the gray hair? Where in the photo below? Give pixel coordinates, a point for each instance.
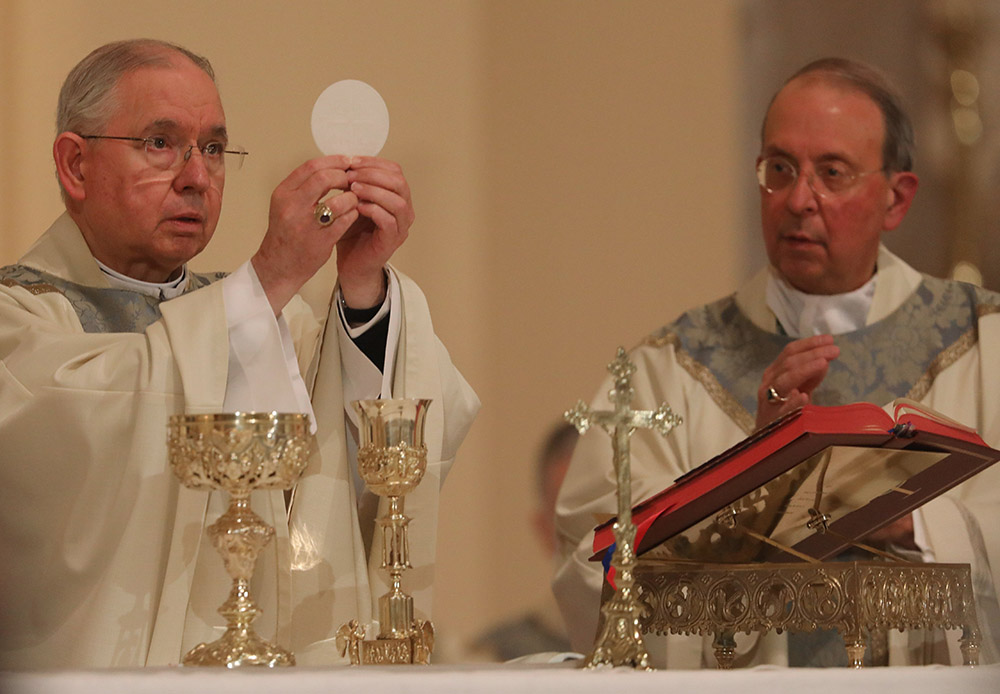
(87, 99)
(898, 142)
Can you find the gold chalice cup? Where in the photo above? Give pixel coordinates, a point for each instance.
(238, 453)
(392, 459)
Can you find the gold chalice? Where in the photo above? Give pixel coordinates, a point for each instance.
(237, 453)
(392, 459)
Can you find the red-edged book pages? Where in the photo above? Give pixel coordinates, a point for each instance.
(855, 465)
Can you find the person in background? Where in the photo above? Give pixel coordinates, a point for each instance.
(539, 630)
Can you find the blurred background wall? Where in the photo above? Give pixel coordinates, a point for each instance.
(582, 172)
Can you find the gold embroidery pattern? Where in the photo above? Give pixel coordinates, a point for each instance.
(950, 355)
(35, 289)
(701, 373)
(942, 361)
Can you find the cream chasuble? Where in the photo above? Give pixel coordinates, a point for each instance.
(101, 545)
(931, 340)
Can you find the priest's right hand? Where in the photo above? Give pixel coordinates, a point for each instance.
(794, 375)
(296, 244)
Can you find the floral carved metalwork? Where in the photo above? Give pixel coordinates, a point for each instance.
(238, 453)
(854, 597)
(392, 459)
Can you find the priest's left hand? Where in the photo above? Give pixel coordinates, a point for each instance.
(386, 213)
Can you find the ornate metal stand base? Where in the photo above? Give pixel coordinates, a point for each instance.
(620, 642)
(410, 649)
(619, 637)
(854, 598)
(239, 534)
(237, 649)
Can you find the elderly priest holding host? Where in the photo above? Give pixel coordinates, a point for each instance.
(105, 332)
(835, 318)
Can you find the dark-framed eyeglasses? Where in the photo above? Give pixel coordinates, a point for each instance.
(828, 180)
(162, 153)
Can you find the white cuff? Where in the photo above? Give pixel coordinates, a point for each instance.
(263, 369)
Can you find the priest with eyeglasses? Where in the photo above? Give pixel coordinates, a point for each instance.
(834, 318)
(105, 332)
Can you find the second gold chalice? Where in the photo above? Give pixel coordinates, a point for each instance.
(392, 459)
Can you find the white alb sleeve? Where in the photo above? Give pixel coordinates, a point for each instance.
(263, 370)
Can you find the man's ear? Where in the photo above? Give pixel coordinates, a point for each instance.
(902, 189)
(68, 151)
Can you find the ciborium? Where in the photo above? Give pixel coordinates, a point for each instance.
(238, 453)
(392, 458)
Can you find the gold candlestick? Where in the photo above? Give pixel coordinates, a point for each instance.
(392, 459)
(237, 453)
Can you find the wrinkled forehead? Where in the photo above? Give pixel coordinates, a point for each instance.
(176, 94)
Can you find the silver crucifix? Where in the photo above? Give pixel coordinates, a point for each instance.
(619, 641)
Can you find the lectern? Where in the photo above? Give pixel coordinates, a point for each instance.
(748, 540)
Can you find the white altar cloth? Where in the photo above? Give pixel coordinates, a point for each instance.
(522, 679)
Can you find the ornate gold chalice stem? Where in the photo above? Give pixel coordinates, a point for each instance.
(237, 453)
(392, 459)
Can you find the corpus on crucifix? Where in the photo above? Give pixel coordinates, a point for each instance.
(619, 640)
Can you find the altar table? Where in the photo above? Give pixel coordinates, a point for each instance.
(506, 679)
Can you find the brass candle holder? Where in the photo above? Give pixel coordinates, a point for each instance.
(392, 459)
(238, 453)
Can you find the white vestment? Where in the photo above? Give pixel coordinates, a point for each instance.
(707, 367)
(105, 561)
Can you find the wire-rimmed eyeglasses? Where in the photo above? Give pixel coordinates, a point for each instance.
(827, 180)
(163, 154)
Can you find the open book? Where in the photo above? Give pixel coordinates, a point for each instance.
(808, 484)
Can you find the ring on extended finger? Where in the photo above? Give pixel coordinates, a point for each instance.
(323, 214)
(773, 397)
